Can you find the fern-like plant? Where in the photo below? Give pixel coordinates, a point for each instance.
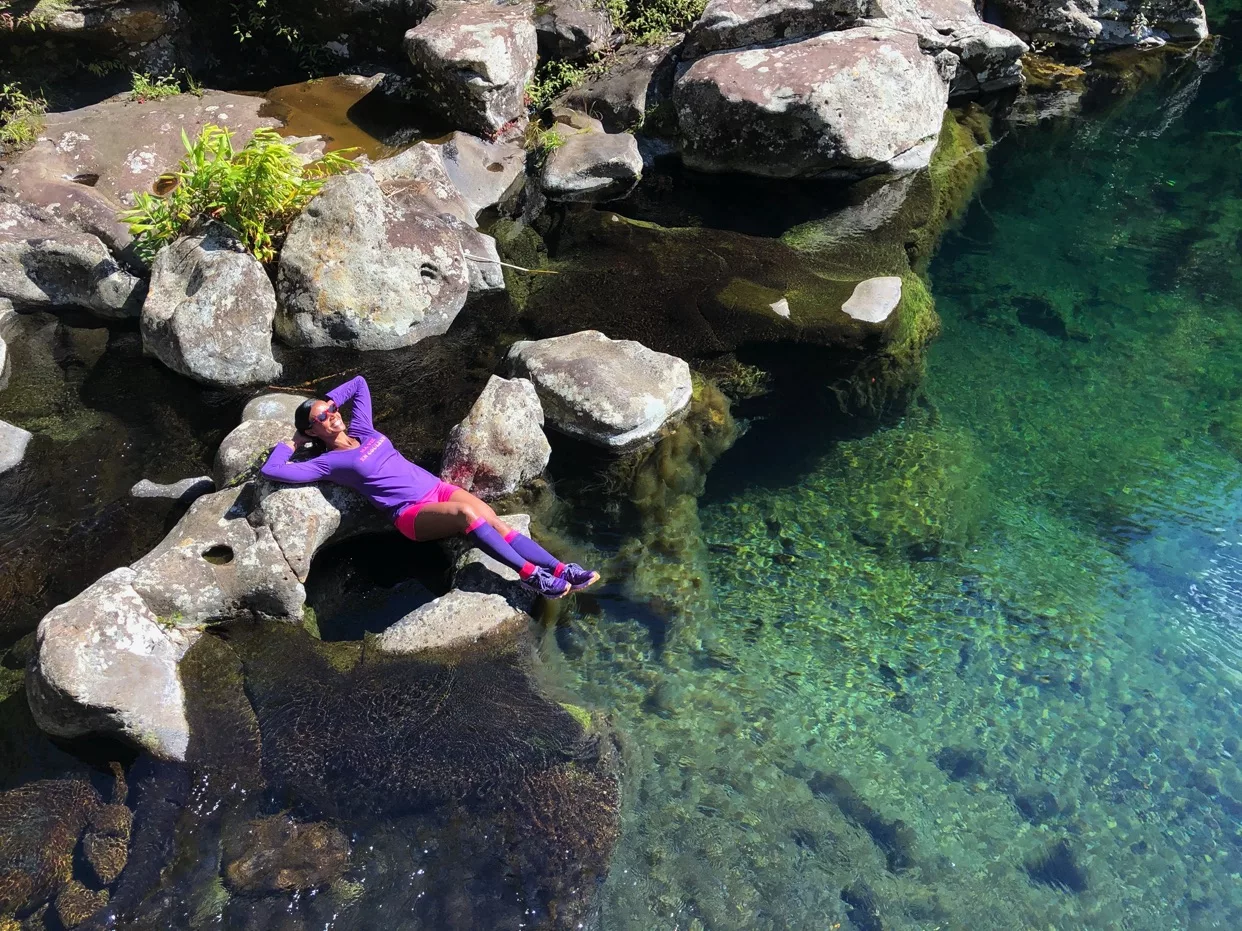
(21, 117)
(257, 190)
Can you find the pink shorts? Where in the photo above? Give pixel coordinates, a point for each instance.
(405, 520)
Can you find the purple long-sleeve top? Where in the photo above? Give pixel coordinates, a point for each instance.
(374, 469)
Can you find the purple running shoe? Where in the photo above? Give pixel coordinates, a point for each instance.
(577, 577)
(545, 583)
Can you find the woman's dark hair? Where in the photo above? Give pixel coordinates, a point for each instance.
(302, 416)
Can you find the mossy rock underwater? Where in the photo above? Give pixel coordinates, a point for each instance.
(471, 756)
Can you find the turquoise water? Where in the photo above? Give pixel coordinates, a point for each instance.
(981, 668)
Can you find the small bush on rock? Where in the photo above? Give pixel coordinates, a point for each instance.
(21, 117)
(257, 190)
(649, 21)
(144, 87)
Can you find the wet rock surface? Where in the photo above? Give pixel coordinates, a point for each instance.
(278, 854)
(613, 393)
(209, 310)
(500, 446)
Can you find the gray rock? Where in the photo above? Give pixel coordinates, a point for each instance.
(209, 311)
(106, 664)
(367, 270)
(1080, 26)
(451, 622)
(483, 269)
(844, 104)
(974, 55)
(486, 174)
(874, 299)
(419, 176)
(614, 393)
(273, 405)
(45, 264)
(475, 571)
(730, 24)
(500, 446)
(636, 82)
(215, 564)
(593, 168)
(246, 448)
(88, 162)
(5, 310)
(572, 29)
(184, 491)
(477, 59)
(13, 443)
(302, 518)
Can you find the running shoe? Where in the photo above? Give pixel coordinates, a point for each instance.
(578, 578)
(546, 584)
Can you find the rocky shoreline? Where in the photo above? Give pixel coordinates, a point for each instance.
(179, 652)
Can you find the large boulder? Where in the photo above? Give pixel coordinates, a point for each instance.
(476, 59)
(635, 83)
(1080, 26)
(245, 449)
(451, 622)
(215, 564)
(592, 167)
(44, 264)
(273, 405)
(368, 270)
(105, 663)
(572, 29)
(729, 24)
(209, 310)
(13, 443)
(617, 394)
(851, 103)
(500, 446)
(485, 174)
(87, 163)
(302, 518)
(973, 55)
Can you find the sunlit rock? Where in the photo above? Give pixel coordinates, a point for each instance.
(500, 446)
(452, 622)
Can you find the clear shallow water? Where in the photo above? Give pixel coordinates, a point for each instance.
(980, 669)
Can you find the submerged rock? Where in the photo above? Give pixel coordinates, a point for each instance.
(47, 265)
(209, 311)
(850, 103)
(278, 854)
(874, 299)
(106, 664)
(613, 393)
(40, 823)
(368, 270)
(477, 59)
(13, 443)
(452, 622)
(500, 446)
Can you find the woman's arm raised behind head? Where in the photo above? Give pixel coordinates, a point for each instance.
(280, 469)
(356, 390)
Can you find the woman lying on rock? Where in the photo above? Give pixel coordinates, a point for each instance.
(421, 506)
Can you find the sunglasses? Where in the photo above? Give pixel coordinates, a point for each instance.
(326, 412)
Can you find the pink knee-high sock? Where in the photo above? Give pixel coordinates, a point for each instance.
(529, 550)
(489, 540)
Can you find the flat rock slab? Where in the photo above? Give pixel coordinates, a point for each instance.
(13, 443)
(88, 162)
(613, 393)
(841, 104)
(184, 491)
(874, 299)
(458, 619)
